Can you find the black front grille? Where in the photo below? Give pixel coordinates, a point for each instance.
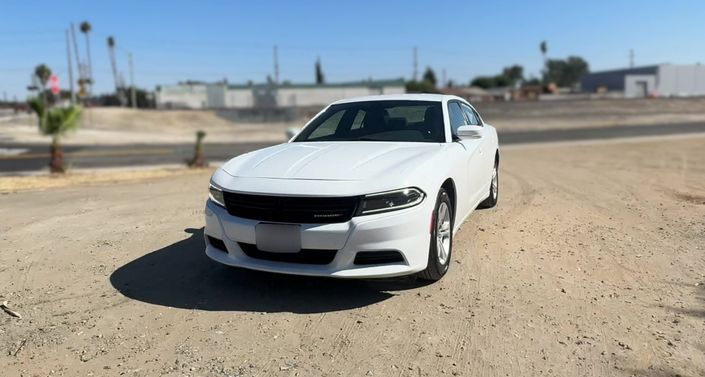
(378, 257)
(290, 209)
(305, 256)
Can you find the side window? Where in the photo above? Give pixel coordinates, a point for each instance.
(328, 127)
(477, 116)
(473, 119)
(357, 122)
(457, 118)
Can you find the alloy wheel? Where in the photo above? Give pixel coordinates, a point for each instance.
(443, 233)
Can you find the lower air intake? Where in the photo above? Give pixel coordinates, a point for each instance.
(218, 244)
(305, 256)
(378, 257)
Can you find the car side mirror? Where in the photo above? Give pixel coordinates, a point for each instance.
(469, 132)
(291, 132)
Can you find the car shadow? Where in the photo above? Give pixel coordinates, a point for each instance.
(180, 275)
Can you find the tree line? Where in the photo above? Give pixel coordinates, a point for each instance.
(561, 72)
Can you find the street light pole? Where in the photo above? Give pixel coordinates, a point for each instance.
(68, 56)
(132, 82)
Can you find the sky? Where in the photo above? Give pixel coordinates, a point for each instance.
(177, 40)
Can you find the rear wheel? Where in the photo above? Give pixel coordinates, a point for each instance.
(491, 200)
(441, 245)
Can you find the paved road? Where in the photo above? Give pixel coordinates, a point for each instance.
(36, 156)
(27, 157)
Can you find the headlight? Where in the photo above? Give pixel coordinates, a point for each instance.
(216, 195)
(391, 200)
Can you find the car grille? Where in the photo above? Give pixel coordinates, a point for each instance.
(305, 256)
(289, 209)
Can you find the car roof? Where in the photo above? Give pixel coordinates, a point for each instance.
(399, 97)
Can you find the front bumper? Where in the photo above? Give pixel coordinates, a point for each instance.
(405, 231)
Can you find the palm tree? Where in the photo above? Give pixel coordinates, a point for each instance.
(320, 78)
(198, 160)
(56, 122)
(86, 30)
(43, 74)
(113, 63)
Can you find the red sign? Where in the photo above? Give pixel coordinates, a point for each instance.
(54, 84)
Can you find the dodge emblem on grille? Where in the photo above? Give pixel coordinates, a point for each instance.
(327, 215)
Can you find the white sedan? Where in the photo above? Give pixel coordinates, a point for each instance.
(370, 187)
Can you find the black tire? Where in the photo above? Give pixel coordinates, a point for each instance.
(492, 199)
(439, 260)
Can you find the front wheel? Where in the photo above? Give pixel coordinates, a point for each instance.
(441, 245)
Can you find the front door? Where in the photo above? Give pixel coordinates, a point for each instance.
(473, 152)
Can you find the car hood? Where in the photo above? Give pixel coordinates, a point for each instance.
(336, 161)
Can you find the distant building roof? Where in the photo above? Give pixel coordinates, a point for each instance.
(613, 79)
(398, 97)
(471, 91)
(628, 70)
(363, 83)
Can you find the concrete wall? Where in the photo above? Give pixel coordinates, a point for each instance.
(215, 96)
(639, 86)
(312, 96)
(666, 80)
(239, 97)
(218, 96)
(612, 80)
(181, 96)
(681, 80)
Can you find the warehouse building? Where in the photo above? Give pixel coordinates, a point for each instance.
(270, 95)
(663, 80)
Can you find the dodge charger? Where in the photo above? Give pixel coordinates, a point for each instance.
(370, 187)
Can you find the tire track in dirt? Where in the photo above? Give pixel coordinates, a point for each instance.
(354, 339)
(469, 343)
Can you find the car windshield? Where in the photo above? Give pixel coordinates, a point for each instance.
(410, 121)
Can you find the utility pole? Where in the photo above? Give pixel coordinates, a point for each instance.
(276, 65)
(78, 59)
(416, 65)
(631, 58)
(444, 83)
(68, 56)
(132, 82)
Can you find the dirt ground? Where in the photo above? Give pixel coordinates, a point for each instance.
(116, 126)
(592, 264)
(112, 126)
(542, 115)
(40, 182)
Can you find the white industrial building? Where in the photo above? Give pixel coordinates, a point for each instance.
(663, 80)
(223, 95)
